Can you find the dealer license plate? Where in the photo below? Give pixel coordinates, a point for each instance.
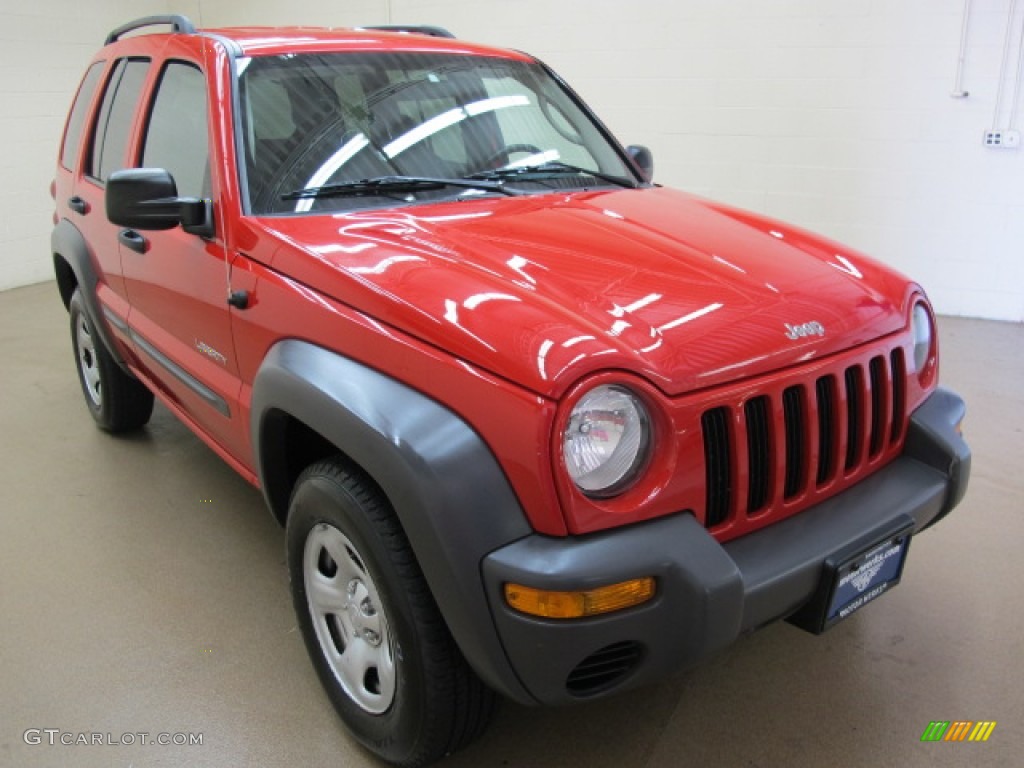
(866, 577)
(852, 580)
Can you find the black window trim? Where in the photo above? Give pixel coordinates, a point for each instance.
(154, 93)
(84, 134)
(87, 157)
(241, 173)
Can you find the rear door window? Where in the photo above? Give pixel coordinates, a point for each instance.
(114, 122)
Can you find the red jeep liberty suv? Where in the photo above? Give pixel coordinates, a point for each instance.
(533, 424)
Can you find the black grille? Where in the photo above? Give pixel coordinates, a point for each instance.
(715, 424)
(854, 411)
(603, 668)
(899, 394)
(825, 388)
(828, 428)
(759, 453)
(796, 449)
(879, 405)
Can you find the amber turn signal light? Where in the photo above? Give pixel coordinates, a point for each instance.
(576, 605)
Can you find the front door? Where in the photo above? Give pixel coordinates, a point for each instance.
(177, 282)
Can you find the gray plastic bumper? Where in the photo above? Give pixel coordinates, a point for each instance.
(709, 593)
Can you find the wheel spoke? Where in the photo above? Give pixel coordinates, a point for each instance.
(84, 338)
(386, 667)
(354, 663)
(92, 376)
(327, 594)
(338, 548)
(87, 362)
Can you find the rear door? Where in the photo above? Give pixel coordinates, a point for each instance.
(105, 151)
(71, 153)
(177, 282)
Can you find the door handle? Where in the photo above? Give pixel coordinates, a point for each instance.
(129, 238)
(78, 205)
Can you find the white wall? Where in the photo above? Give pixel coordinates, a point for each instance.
(44, 49)
(832, 114)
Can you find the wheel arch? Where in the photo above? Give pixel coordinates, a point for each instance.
(73, 267)
(67, 281)
(286, 446)
(447, 490)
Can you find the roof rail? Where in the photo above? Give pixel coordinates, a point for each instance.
(178, 23)
(412, 29)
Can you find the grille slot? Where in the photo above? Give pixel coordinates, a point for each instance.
(854, 412)
(717, 452)
(794, 410)
(879, 403)
(899, 395)
(825, 389)
(603, 668)
(759, 453)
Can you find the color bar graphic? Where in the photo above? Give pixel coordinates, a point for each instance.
(983, 730)
(958, 730)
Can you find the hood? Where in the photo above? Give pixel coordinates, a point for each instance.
(546, 289)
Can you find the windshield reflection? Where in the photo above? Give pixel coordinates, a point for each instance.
(310, 121)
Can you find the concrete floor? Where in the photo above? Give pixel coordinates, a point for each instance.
(143, 589)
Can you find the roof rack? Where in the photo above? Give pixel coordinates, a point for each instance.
(177, 22)
(412, 29)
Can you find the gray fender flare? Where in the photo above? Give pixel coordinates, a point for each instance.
(68, 245)
(451, 496)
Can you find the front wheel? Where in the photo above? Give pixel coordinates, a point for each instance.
(375, 636)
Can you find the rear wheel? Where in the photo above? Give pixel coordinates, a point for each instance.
(118, 402)
(375, 636)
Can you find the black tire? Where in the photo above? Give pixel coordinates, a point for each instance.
(346, 546)
(117, 401)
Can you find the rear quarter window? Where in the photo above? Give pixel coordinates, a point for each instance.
(76, 119)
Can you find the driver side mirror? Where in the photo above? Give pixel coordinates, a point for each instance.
(643, 160)
(147, 198)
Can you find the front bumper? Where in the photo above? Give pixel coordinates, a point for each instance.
(709, 593)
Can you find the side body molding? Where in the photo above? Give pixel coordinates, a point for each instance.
(69, 247)
(445, 485)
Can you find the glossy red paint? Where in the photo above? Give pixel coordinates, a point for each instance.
(514, 422)
(548, 289)
(536, 292)
(504, 309)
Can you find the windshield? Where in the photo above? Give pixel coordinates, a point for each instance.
(314, 124)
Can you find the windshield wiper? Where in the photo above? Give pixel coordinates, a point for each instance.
(548, 170)
(386, 185)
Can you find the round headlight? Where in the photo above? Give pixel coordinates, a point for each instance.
(605, 442)
(921, 323)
